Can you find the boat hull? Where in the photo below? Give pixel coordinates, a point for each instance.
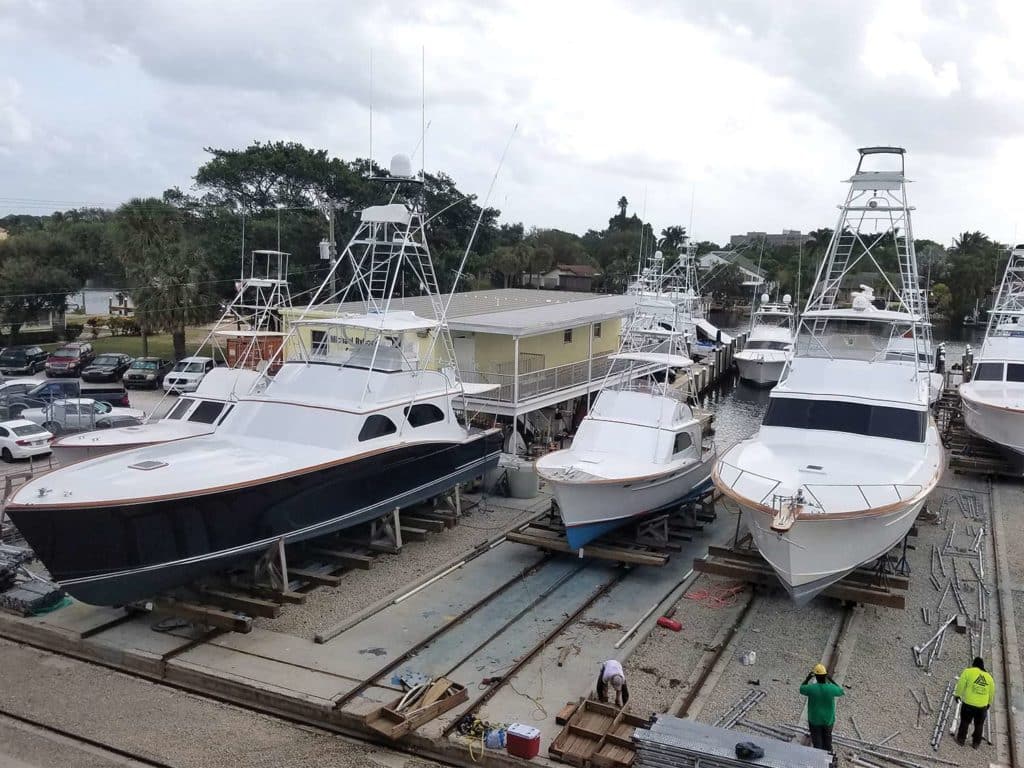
(591, 509)
(763, 373)
(997, 424)
(119, 554)
(806, 558)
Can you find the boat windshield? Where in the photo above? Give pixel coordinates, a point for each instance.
(854, 418)
(762, 344)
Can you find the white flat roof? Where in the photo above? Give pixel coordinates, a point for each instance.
(505, 311)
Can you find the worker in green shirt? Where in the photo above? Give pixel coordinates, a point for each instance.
(975, 691)
(821, 706)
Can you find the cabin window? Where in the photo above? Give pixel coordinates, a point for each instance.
(854, 418)
(422, 414)
(760, 344)
(179, 410)
(567, 336)
(206, 412)
(226, 412)
(377, 426)
(988, 372)
(1015, 372)
(683, 441)
(318, 342)
(597, 330)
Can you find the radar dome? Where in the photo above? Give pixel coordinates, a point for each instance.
(658, 256)
(401, 166)
(786, 299)
(764, 298)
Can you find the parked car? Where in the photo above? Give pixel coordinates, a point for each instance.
(115, 421)
(69, 360)
(147, 372)
(13, 402)
(21, 439)
(12, 387)
(187, 373)
(109, 366)
(75, 415)
(22, 360)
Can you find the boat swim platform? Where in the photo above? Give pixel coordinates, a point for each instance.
(551, 619)
(865, 585)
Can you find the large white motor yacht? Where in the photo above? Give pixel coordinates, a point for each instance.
(847, 452)
(993, 400)
(358, 420)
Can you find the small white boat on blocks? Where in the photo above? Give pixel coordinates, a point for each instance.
(638, 451)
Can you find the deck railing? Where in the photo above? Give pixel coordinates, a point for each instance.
(550, 380)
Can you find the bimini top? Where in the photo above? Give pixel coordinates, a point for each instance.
(659, 358)
(392, 213)
(868, 315)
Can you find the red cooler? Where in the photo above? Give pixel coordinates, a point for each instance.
(522, 740)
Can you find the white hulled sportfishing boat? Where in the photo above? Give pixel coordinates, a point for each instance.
(670, 297)
(993, 400)
(770, 343)
(242, 343)
(358, 420)
(847, 452)
(640, 449)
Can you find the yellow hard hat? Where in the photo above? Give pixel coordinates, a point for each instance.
(819, 669)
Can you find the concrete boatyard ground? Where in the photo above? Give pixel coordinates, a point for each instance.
(86, 686)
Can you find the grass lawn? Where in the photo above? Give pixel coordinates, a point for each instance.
(159, 345)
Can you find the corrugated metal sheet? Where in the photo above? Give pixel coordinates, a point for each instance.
(672, 742)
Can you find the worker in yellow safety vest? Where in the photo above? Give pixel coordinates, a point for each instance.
(975, 690)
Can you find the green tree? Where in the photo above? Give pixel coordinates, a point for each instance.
(974, 266)
(942, 299)
(37, 274)
(168, 274)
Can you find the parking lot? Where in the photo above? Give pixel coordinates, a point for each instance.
(153, 401)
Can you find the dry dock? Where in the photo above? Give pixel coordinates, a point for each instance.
(526, 630)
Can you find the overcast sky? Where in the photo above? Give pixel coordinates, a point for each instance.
(753, 109)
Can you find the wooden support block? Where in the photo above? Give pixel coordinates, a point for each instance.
(348, 559)
(254, 606)
(205, 614)
(270, 593)
(961, 624)
(566, 712)
(552, 543)
(315, 577)
(413, 534)
(432, 526)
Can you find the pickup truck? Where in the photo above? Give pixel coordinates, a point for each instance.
(75, 415)
(12, 403)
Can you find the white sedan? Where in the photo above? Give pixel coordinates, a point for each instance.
(21, 439)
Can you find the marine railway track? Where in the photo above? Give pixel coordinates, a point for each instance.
(55, 733)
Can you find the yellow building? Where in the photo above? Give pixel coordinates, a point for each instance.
(540, 348)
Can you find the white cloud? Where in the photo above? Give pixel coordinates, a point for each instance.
(756, 106)
(15, 126)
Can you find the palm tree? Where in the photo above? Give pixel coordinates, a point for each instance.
(170, 277)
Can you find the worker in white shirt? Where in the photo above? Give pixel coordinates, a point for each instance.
(611, 675)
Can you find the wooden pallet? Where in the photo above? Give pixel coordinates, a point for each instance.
(861, 586)
(597, 735)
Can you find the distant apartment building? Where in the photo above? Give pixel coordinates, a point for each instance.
(793, 237)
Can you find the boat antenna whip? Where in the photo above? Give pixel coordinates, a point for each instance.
(443, 320)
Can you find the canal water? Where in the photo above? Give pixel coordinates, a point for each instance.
(739, 407)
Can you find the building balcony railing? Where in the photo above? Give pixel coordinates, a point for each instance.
(535, 384)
